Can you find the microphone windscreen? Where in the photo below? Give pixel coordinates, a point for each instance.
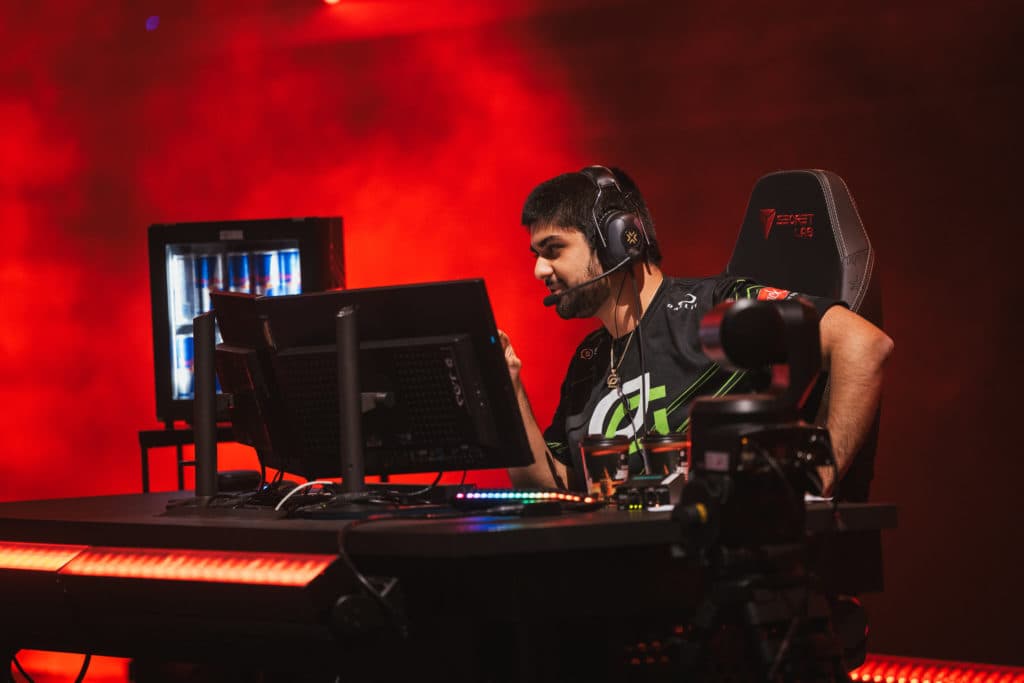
(552, 299)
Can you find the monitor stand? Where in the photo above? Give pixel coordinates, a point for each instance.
(351, 405)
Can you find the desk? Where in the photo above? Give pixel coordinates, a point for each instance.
(460, 577)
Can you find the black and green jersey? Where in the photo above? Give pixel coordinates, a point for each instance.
(677, 370)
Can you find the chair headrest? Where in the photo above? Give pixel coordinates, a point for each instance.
(802, 232)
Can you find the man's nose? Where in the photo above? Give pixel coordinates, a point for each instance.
(542, 268)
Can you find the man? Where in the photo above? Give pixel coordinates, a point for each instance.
(597, 253)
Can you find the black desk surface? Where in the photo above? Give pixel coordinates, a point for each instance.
(456, 574)
(138, 520)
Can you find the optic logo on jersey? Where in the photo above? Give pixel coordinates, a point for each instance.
(609, 417)
(687, 303)
(772, 294)
(588, 354)
(802, 223)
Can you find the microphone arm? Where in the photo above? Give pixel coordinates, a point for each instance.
(552, 299)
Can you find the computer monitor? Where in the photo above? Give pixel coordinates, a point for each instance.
(436, 390)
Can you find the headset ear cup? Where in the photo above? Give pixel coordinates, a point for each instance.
(626, 239)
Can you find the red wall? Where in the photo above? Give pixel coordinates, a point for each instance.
(425, 125)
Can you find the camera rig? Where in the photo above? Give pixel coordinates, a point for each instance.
(743, 509)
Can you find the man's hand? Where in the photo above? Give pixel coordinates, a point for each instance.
(512, 360)
(544, 472)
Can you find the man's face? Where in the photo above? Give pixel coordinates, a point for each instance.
(564, 259)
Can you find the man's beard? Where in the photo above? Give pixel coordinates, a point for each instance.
(584, 302)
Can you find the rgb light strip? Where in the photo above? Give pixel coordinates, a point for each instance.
(213, 566)
(887, 669)
(523, 496)
(39, 557)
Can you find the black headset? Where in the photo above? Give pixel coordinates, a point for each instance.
(621, 233)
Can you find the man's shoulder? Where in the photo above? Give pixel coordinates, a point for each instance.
(715, 288)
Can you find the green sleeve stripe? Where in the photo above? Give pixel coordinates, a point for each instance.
(727, 386)
(731, 383)
(753, 290)
(684, 425)
(692, 390)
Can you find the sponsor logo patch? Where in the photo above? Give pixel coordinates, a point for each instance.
(772, 294)
(687, 303)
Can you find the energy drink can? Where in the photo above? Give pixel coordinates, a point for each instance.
(266, 273)
(184, 362)
(181, 280)
(291, 271)
(238, 272)
(209, 277)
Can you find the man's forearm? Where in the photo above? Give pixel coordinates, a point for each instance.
(857, 352)
(854, 395)
(539, 474)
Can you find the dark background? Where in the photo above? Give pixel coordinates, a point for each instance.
(425, 124)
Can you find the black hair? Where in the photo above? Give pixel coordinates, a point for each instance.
(567, 201)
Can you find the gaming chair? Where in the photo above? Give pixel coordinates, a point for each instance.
(802, 232)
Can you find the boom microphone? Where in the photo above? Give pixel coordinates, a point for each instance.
(552, 299)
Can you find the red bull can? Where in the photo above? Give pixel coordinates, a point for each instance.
(238, 272)
(184, 362)
(291, 271)
(266, 273)
(181, 288)
(209, 277)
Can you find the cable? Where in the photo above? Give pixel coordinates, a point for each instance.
(643, 364)
(428, 489)
(300, 487)
(85, 667)
(21, 670)
(559, 483)
(397, 619)
(791, 496)
(618, 387)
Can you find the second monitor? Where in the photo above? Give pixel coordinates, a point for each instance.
(436, 390)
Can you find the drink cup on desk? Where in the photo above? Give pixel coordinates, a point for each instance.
(666, 453)
(605, 463)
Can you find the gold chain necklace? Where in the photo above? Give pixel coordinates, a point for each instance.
(613, 367)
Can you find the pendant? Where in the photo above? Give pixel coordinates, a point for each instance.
(613, 378)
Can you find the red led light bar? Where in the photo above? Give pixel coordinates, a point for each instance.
(39, 557)
(887, 669)
(211, 566)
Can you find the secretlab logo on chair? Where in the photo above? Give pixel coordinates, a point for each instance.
(767, 220)
(803, 223)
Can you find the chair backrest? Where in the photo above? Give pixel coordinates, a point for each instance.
(802, 232)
